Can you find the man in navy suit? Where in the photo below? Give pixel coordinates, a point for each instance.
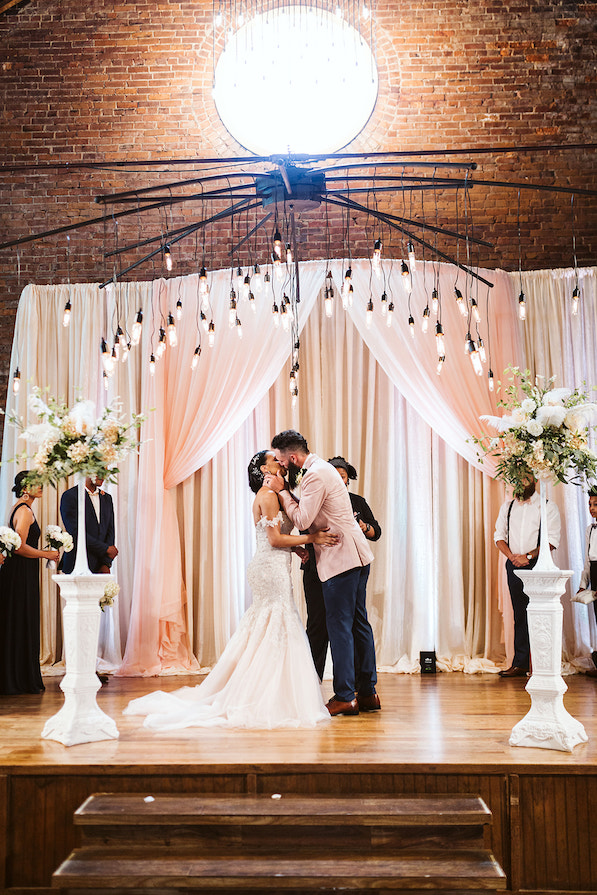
(99, 526)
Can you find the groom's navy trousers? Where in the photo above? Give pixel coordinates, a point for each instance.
(351, 637)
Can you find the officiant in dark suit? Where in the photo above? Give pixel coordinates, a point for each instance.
(99, 526)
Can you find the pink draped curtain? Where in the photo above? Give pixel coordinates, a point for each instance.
(194, 413)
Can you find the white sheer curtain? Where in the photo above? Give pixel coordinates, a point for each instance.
(183, 526)
(433, 581)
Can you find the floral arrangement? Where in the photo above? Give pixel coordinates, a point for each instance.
(111, 590)
(72, 441)
(542, 434)
(58, 539)
(10, 540)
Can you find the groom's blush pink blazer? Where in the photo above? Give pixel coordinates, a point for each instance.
(324, 503)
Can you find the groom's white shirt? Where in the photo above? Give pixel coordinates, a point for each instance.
(324, 503)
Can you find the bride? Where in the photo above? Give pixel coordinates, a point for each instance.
(265, 677)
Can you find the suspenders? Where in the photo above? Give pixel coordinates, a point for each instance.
(508, 526)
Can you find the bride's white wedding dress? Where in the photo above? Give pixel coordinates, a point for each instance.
(265, 677)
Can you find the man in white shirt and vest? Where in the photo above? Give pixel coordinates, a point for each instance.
(518, 536)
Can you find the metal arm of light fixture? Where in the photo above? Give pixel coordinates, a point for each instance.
(257, 226)
(167, 236)
(125, 194)
(382, 217)
(227, 213)
(394, 217)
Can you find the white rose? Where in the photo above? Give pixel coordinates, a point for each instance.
(519, 416)
(528, 405)
(534, 428)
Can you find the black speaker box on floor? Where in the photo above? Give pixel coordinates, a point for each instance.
(427, 661)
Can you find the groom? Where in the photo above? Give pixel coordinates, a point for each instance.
(343, 569)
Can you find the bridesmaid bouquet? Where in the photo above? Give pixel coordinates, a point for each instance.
(111, 590)
(57, 540)
(9, 540)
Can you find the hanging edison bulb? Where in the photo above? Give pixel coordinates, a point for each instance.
(195, 359)
(384, 304)
(347, 282)
(276, 315)
(481, 349)
(435, 302)
(211, 334)
(116, 349)
(284, 315)
(575, 300)
(278, 243)
(294, 398)
(406, 280)
(328, 302)
(411, 257)
(172, 337)
(152, 365)
(66, 315)
(251, 299)
(239, 280)
(232, 309)
(475, 311)
(257, 280)
(239, 328)
(203, 319)
(490, 380)
(106, 356)
(369, 314)
(439, 340)
(292, 384)
(390, 316)
(350, 295)
(137, 327)
(288, 253)
(460, 301)
(203, 284)
(168, 258)
(179, 309)
(376, 257)
(105, 380)
(125, 352)
(162, 343)
(411, 326)
(246, 286)
(16, 381)
(475, 359)
(522, 307)
(440, 364)
(425, 323)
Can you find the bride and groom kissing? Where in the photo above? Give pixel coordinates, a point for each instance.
(265, 678)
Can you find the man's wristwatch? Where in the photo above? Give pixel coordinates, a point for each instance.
(530, 556)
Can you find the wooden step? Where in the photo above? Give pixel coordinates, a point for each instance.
(97, 868)
(219, 843)
(172, 810)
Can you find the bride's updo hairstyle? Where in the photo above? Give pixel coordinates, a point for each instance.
(254, 469)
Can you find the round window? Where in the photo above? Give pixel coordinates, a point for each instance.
(295, 80)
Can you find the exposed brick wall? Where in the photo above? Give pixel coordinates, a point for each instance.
(105, 81)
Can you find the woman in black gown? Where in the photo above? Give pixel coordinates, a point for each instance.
(19, 598)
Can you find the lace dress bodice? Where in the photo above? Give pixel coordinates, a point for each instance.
(268, 573)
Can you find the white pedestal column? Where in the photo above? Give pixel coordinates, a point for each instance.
(80, 720)
(547, 725)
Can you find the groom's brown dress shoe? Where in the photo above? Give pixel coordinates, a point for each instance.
(339, 707)
(513, 671)
(369, 703)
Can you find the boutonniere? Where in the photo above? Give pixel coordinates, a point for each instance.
(299, 477)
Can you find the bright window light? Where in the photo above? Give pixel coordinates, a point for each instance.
(295, 80)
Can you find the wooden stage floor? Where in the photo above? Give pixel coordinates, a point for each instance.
(435, 733)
